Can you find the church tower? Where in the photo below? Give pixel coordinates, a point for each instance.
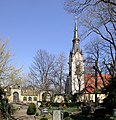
(75, 80)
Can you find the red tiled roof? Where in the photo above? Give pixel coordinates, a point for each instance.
(90, 82)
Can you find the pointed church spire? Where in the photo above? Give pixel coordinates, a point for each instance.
(76, 46)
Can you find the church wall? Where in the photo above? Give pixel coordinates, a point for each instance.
(77, 59)
(91, 97)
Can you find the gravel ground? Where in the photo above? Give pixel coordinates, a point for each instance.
(21, 114)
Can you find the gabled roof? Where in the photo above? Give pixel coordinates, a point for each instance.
(90, 82)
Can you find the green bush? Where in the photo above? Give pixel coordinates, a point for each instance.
(72, 104)
(44, 118)
(55, 104)
(68, 118)
(31, 109)
(65, 114)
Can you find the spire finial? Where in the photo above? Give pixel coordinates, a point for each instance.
(75, 20)
(75, 28)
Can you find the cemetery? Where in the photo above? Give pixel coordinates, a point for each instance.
(60, 111)
(82, 88)
(83, 98)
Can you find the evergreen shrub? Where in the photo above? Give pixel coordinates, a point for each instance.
(65, 114)
(31, 109)
(72, 104)
(55, 104)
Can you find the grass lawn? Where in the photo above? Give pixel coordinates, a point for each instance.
(73, 110)
(63, 109)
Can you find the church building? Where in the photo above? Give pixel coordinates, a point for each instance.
(78, 81)
(75, 80)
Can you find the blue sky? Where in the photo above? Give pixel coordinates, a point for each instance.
(31, 25)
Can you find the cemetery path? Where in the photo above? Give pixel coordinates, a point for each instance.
(21, 114)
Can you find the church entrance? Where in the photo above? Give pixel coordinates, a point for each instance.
(15, 97)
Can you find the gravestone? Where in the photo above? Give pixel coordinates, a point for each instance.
(99, 112)
(114, 113)
(44, 111)
(57, 115)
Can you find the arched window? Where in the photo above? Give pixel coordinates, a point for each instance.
(29, 98)
(24, 98)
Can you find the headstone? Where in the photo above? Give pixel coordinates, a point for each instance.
(57, 115)
(114, 113)
(44, 111)
(99, 112)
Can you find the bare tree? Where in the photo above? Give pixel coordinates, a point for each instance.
(4, 60)
(77, 6)
(96, 53)
(97, 18)
(9, 74)
(48, 71)
(16, 77)
(59, 73)
(41, 69)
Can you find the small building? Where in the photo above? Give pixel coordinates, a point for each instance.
(27, 95)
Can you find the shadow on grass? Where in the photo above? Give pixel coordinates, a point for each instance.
(80, 116)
